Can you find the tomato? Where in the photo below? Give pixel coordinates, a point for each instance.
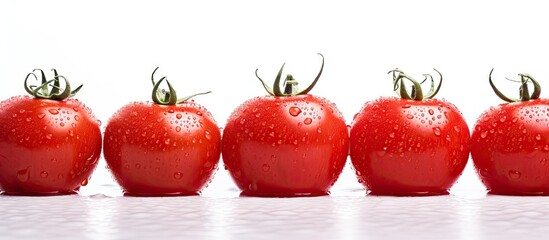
(49, 144)
(287, 144)
(167, 147)
(409, 146)
(510, 144)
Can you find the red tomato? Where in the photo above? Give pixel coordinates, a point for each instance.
(510, 144)
(162, 148)
(407, 147)
(47, 147)
(289, 144)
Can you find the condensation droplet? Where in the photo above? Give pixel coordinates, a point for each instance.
(503, 118)
(167, 141)
(431, 111)
(41, 115)
(137, 165)
(199, 113)
(84, 182)
(406, 105)
(49, 136)
(266, 167)
(483, 134)
(319, 130)
(456, 128)
(178, 116)
(43, 174)
(178, 129)
(514, 174)
(392, 135)
(538, 137)
(53, 111)
(177, 175)
(76, 118)
(23, 175)
(436, 131)
(308, 121)
(208, 135)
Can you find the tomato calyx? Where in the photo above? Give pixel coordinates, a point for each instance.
(168, 97)
(524, 92)
(50, 89)
(416, 92)
(290, 84)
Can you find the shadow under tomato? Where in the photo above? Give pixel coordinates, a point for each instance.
(407, 194)
(176, 194)
(282, 195)
(39, 194)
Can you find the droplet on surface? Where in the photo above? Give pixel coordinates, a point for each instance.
(514, 174)
(76, 118)
(483, 134)
(266, 167)
(538, 137)
(41, 115)
(409, 116)
(53, 111)
(436, 131)
(49, 136)
(23, 175)
(84, 182)
(431, 111)
(308, 121)
(392, 135)
(199, 113)
(43, 174)
(406, 105)
(178, 129)
(207, 135)
(178, 116)
(319, 130)
(177, 175)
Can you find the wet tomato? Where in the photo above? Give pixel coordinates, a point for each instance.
(510, 143)
(287, 144)
(162, 148)
(409, 146)
(49, 144)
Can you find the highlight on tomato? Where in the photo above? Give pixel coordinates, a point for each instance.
(510, 142)
(50, 143)
(414, 145)
(167, 147)
(286, 144)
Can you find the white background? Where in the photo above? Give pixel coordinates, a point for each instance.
(113, 46)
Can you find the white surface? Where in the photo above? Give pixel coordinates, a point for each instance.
(216, 45)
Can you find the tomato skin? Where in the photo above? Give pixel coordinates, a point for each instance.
(285, 146)
(157, 150)
(47, 147)
(510, 148)
(407, 147)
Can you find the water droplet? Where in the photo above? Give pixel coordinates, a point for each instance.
(137, 165)
(14, 115)
(49, 136)
(177, 175)
(60, 176)
(409, 116)
(43, 174)
(431, 111)
(266, 167)
(308, 121)
(62, 124)
(23, 175)
(515, 119)
(538, 137)
(76, 118)
(75, 109)
(41, 115)
(456, 128)
(543, 161)
(392, 135)
(28, 119)
(319, 130)
(273, 158)
(208, 135)
(295, 111)
(171, 111)
(483, 134)
(178, 129)
(199, 113)
(167, 141)
(178, 116)
(514, 174)
(406, 105)
(448, 138)
(84, 182)
(53, 111)
(436, 130)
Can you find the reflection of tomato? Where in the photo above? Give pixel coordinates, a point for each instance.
(162, 148)
(410, 145)
(286, 144)
(47, 146)
(510, 144)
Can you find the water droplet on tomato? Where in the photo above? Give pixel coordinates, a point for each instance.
(295, 111)
(178, 129)
(14, 115)
(273, 158)
(137, 165)
(483, 134)
(409, 116)
(543, 161)
(178, 116)
(53, 111)
(84, 182)
(171, 111)
(266, 167)
(538, 137)
(49, 136)
(43, 174)
(62, 124)
(207, 135)
(28, 119)
(436, 131)
(307, 121)
(514, 174)
(431, 111)
(23, 175)
(177, 175)
(392, 135)
(319, 130)
(456, 128)
(406, 105)
(167, 141)
(448, 138)
(41, 115)
(199, 113)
